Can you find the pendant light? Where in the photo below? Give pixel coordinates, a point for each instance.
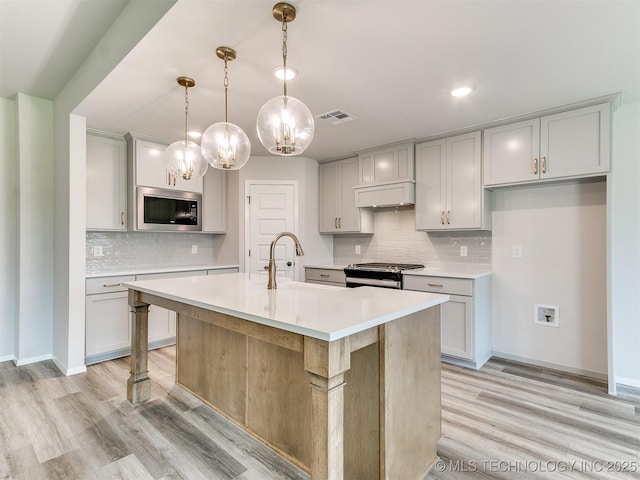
(285, 124)
(184, 158)
(225, 145)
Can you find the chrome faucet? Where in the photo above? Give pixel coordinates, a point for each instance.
(271, 267)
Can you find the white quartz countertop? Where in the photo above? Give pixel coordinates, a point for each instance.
(143, 271)
(453, 270)
(319, 311)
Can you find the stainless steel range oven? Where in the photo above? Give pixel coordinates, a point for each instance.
(386, 275)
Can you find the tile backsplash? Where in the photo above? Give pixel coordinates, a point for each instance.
(395, 239)
(135, 250)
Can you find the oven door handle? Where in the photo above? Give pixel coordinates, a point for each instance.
(372, 282)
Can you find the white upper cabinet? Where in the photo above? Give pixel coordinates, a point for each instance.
(449, 193)
(564, 145)
(214, 201)
(575, 143)
(390, 163)
(149, 166)
(106, 181)
(338, 213)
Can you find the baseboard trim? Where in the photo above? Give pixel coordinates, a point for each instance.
(8, 358)
(27, 361)
(554, 366)
(628, 382)
(67, 372)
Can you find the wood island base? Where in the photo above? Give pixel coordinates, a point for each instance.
(363, 406)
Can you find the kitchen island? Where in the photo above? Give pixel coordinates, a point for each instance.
(343, 382)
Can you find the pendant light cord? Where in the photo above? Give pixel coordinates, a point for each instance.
(186, 114)
(284, 51)
(226, 89)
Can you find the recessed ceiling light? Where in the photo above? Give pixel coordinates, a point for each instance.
(461, 91)
(194, 134)
(279, 73)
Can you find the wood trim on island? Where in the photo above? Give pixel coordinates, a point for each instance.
(364, 406)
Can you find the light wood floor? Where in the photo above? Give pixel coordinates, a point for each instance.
(505, 421)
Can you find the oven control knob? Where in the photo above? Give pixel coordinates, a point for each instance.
(289, 264)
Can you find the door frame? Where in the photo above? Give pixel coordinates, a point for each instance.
(246, 237)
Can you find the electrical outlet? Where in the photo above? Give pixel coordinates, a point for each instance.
(98, 251)
(463, 250)
(358, 252)
(194, 249)
(517, 251)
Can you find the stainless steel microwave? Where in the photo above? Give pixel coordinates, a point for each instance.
(168, 210)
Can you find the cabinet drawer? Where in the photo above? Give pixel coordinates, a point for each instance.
(452, 286)
(108, 284)
(325, 275)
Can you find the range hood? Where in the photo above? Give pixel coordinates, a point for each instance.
(386, 194)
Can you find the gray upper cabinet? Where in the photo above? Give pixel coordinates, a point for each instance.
(214, 201)
(106, 181)
(570, 144)
(391, 163)
(148, 167)
(449, 193)
(338, 212)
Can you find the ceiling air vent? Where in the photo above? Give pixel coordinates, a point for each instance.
(336, 117)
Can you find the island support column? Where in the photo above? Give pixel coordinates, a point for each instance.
(327, 363)
(139, 384)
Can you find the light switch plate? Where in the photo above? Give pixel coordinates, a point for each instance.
(194, 249)
(97, 251)
(358, 251)
(517, 251)
(463, 250)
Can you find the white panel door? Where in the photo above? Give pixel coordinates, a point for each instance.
(271, 211)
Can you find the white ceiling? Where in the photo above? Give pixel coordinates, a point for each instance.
(390, 63)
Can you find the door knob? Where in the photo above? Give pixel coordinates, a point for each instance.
(289, 264)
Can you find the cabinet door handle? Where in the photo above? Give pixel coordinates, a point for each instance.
(544, 164)
(448, 217)
(168, 178)
(121, 218)
(335, 223)
(339, 222)
(324, 275)
(107, 285)
(174, 181)
(442, 217)
(437, 285)
(535, 166)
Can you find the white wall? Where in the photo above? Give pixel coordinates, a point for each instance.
(135, 20)
(8, 232)
(317, 248)
(561, 229)
(35, 229)
(624, 231)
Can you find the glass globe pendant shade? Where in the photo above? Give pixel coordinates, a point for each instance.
(225, 146)
(184, 159)
(285, 126)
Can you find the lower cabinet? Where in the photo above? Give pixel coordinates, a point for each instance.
(325, 276)
(107, 317)
(108, 329)
(465, 318)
